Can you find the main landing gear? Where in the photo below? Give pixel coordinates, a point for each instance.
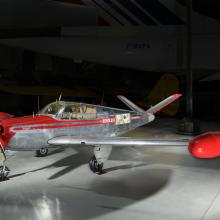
(4, 170)
(94, 166)
(101, 154)
(42, 152)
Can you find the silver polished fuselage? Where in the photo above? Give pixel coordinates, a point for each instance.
(35, 132)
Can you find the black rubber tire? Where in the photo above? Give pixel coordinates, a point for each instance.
(42, 152)
(94, 166)
(4, 176)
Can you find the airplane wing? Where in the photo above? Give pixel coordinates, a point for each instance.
(113, 141)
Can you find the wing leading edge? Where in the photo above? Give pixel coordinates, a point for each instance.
(114, 141)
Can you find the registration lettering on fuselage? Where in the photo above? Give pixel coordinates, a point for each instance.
(108, 120)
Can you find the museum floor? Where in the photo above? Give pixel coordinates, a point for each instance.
(139, 183)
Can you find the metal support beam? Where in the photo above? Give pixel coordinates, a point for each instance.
(189, 76)
(189, 125)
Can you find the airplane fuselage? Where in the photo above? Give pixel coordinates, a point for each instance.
(33, 132)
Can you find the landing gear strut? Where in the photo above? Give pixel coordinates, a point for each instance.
(95, 166)
(42, 152)
(4, 171)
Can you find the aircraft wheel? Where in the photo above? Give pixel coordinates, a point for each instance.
(42, 152)
(4, 172)
(94, 166)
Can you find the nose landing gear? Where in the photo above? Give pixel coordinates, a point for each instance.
(42, 152)
(4, 172)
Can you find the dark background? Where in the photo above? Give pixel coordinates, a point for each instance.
(21, 67)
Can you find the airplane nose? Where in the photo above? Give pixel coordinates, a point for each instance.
(205, 146)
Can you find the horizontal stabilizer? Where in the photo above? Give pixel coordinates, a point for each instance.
(130, 104)
(158, 107)
(114, 141)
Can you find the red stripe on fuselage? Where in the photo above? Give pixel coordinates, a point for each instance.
(56, 126)
(70, 124)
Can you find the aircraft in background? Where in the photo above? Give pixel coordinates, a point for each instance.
(48, 91)
(66, 124)
(139, 34)
(168, 84)
(34, 16)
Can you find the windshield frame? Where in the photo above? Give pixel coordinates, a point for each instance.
(43, 111)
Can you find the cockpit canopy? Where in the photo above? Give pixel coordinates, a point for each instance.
(52, 109)
(69, 111)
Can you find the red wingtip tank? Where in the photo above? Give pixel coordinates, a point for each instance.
(206, 145)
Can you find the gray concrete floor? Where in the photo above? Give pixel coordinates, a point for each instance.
(139, 183)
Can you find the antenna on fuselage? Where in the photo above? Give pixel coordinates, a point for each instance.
(103, 95)
(38, 103)
(60, 97)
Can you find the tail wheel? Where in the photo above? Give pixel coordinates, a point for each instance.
(94, 166)
(42, 152)
(4, 172)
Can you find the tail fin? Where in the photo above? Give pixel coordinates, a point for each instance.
(154, 109)
(158, 107)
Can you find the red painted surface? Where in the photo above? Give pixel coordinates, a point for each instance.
(206, 145)
(6, 135)
(4, 115)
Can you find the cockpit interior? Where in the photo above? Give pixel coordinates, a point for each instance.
(69, 111)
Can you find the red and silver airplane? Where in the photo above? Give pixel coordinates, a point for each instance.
(68, 124)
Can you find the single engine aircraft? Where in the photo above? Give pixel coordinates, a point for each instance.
(62, 123)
